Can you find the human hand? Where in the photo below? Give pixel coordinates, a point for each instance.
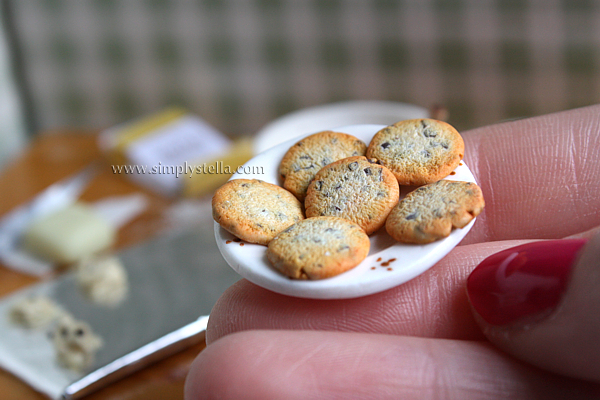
(541, 180)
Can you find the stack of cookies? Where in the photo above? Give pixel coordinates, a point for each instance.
(337, 191)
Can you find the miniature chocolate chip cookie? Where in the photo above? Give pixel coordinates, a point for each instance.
(418, 151)
(318, 248)
(430, 212)
(354, 188)
(255, 211)
(304, 159)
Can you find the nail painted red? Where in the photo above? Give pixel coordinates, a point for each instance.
(522, 281)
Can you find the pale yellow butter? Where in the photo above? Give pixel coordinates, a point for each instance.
(206, 177)
(69, 235)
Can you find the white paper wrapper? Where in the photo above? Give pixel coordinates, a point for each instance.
(117, 211)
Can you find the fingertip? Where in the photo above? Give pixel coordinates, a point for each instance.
(221, 370)
(252, 365)
(332, 365)
(539, 302)
(432, 305)
(246, 306)
(531, 170)
(190, 389)
(522, 281)
(200, 378)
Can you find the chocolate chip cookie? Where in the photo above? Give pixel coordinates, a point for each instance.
(431, 212)
(255, 211)
(418, 151)
(304, 159)
(318, 248)
(354, 188)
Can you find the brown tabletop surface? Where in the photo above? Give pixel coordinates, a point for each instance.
(48, 159)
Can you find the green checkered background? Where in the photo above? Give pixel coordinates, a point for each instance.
(241, 63)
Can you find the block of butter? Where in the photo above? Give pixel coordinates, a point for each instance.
(171, 152)
(205, 178)
(69, 234)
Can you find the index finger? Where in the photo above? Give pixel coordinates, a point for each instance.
(539, 176)
(434, 304)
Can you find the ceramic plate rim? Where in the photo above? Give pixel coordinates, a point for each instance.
(312, 119)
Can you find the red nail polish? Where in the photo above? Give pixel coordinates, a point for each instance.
(522, 281)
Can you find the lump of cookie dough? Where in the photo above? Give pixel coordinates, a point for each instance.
(75, 343)
(35, 312)
(318, 248)
(354, 188)
(103, 280)
(431, 212)
(255, 211)
(304, 159)
(418, 151)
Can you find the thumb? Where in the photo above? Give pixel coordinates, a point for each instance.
(540, 302)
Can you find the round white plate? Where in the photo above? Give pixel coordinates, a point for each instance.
(250, 261)
(319, 118)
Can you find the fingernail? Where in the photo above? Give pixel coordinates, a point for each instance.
(522, 281)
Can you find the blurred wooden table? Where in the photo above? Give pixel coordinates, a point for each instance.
(47, 160)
